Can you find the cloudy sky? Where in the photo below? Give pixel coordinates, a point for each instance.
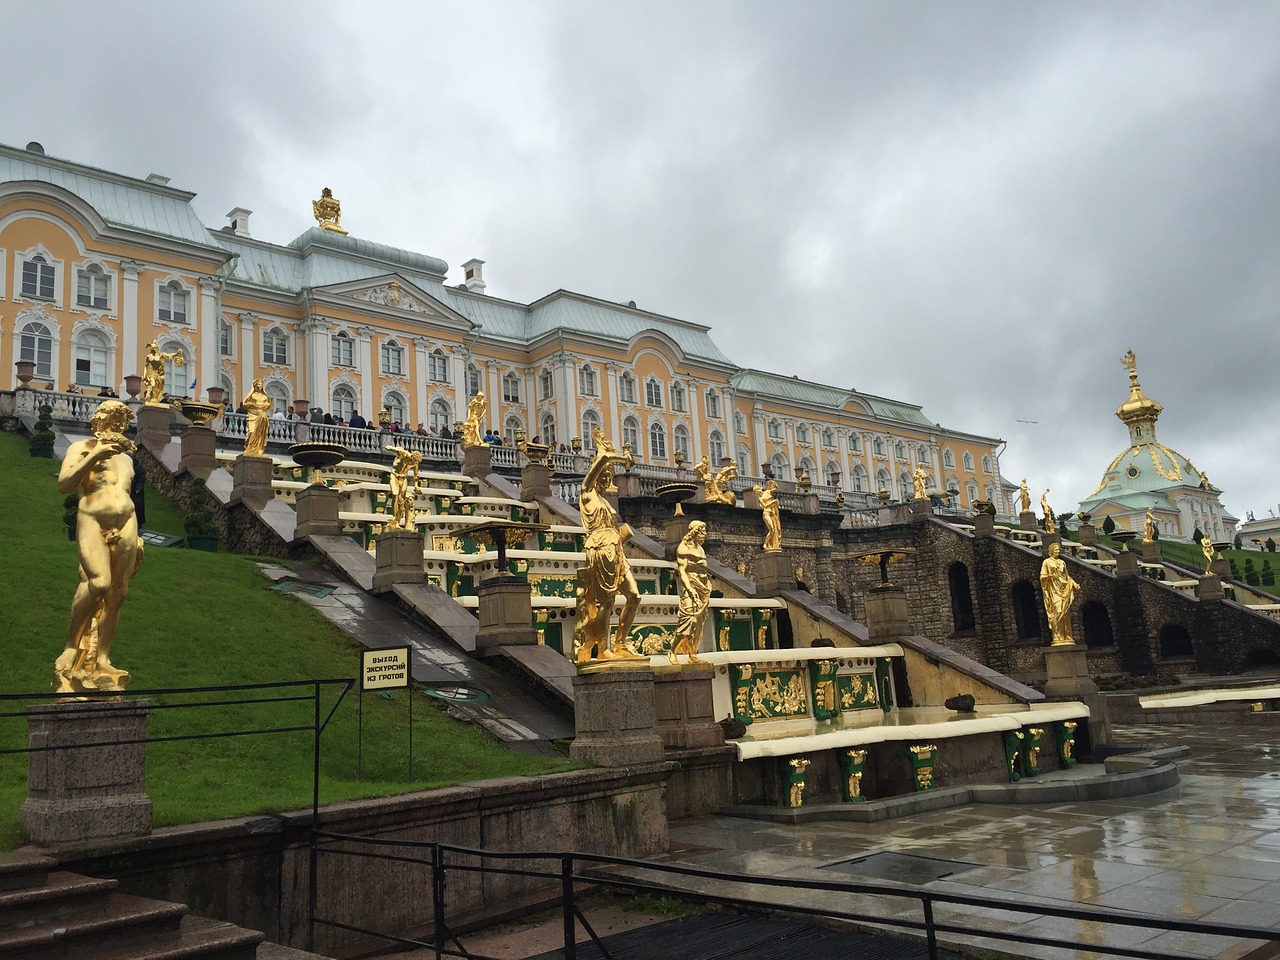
(977, 207)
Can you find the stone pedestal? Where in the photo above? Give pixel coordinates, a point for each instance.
(984, 525)
(153, 427)
(1047, 540)
(774, 574)
(673, 533)
(683, 707)
(1067, 678)
(398, 559)
(1126, 564)
(251, 480)
(1027, 521)
(477, 461)
(318, 512)
(810, 504)
(77, 793)
(1150, 551)
(1088, 534)
(1221, 568)
(887, 615)
(627, 484)
(921, 507)
(506, 614)
(1211, 588)
(614, 717)
(535, 481)
(199, 448)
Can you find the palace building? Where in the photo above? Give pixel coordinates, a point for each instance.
(95, 265)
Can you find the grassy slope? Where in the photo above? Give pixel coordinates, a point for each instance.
(198, 619)
(1190, 555)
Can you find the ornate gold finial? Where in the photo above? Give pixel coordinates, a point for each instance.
(1130, 361)
(1139, 410)
(328, 212)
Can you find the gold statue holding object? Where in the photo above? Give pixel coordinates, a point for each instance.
(1149, 526)
(919, 483)
(771, 510)
(607, 572)
(695, 592)
(257, 408)
(1059, 591)
(475, 420)
(328, 212)
(1206, 547)
(715, 487)
(153, 373)
(1049, 525)
(1025, 494)
(101, 471)
(404, 492)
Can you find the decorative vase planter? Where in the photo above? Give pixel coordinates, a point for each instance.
(133, 386)
(26, 371)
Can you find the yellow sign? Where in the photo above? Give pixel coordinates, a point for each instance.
(385, 669)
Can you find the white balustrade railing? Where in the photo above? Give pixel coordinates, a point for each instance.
(77, 407)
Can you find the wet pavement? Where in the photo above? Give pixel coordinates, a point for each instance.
(1208, 849)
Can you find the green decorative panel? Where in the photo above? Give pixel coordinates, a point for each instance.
(442, 505)
(380, 499)
(922, 756)
(1013, 742)
(547, 586)
(733, 629)
(767, 694)
(454, 543)
(822, 688)
(857, 691)
(460, 583)
(652, 640)
(884, 682)
(551, 632)
(852, 764)
(667, 582)
(793, 771)
(1031, 756)
(1066, 730)
(560, 542)
(762, 630)
(648, 586)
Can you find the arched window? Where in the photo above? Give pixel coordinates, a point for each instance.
(473, 379)
(922, 454)
(172, 303)
(883, 480)
(177, 377)
(438, 366)
(743, 466)
(877, 447)
(653, 393)
(739, 423)
(510, 388)
(546, 385)
(392, 358)
(91, 287)
(627, 388)
(906, 489)
(441, 415)
(91, 355)
(547, 431)
(680, 441)
(587, 385)
(275, 347)
(971, 488)
(396, 405)
(657, 442)
(953, 483)
(806, 466)
(677, 398)
(968, 461)
(713, 405)
(986, 464)
(1097, 626)
(36, 344)
(961, 598)
(343, 404)
(855, 443)
(859, 478)
(832, 473)
(802, 433)
(38, 278)
(775, 429)
(509, 430)
(226, 338)
(715, 447)
(590, 424)
(1026, 610)
(828, 438)
(342, 351)
(780, 465)
(948, 459)
(631, 433)
(1175, 641)
(900, 450)
(279, 395)
(228, 385)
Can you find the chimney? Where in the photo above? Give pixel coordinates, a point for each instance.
(239, 218)
(474, 275)
(158, 178)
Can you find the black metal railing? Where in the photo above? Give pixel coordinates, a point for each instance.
(599, 872)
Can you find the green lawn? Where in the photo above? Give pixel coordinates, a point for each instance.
(1190, 555)
(201, 619)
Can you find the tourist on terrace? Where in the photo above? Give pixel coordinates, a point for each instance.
(357, 421)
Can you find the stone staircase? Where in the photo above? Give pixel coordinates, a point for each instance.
(50, 914)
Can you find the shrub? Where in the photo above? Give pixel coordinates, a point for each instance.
(42, 436)
(200, 521)
(1271, 544)
(1268, 575)
(1235, 570)
(1108, 526)
(1251, 575)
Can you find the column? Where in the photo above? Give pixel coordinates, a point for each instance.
(315, 386)
(365, 365)
(130, 362)
(458, 374)
(210, 290)
(248, 355)
(615, 422)
(757, 427)
(695, 417)
(493, 394)
(420, 348)
(568, 407)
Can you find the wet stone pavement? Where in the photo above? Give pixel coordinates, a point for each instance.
(1207, 849)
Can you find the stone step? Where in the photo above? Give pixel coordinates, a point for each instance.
(62, 895)
(18, 871)
(123, 921)
(197, 938)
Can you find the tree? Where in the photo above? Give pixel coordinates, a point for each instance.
(1108, 526)
(1251, 575)
(1235, 570)
(1271, 545)
(1268, 575)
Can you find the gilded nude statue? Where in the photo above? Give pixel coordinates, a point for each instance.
(695, 592)
(1059, 591)
(153, 373)
(606, 572)
(404, 490)
(1025, 494)
(771, 509)
(472, 426)
(1206, 547)
(1149, 526)
(100, 471)
(1049, 525)
(715, 486)
(257, 408)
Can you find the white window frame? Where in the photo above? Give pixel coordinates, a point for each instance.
(175, 374)
(510, 388)
(391, 355)
(677, 392)
(278, 391)
(680, 442)
(802, 433)
(588, 381)
(968, 462)
(546, 385)
(590, 419)
(342, 351)
(45, 268)
(657, 441)
(394, 401)
(94, 273)
(631, 433)
(626, 388)
(166, 292)
(275, 337)
(547, 431)
(715, 447)
(712, 403)
(342, 402)
(474, 379)
(438, 366)
(24, 352)
(653, 393)
(99, 371)
(440, 414)
(226, 338)
(739, 423)
(774, 429)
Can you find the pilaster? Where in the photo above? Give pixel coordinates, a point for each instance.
(130, 359)
(365, 365)
(207, 362)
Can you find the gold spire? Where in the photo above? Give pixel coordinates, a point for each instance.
(1139, 410)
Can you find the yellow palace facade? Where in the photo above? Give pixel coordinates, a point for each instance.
(94, 265)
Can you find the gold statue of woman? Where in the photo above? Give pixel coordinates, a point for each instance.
(475, 420)
(403, 492)
(153, 373)
(1149, 526)
(257, 408)
(1025, 494)
(919, 483)
(770, 507)
(1049, 525)
(1059, 591)
(695, 592)
(607, 572)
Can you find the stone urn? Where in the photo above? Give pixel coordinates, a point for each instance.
(677, 492)
(26, 371)
(317, 456)
(133, 385)
(200, 414)
(302, 408)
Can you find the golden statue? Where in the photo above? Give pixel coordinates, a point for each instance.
(695, 592)
(257, 409)
(328, 212)
(1059, 591)
(1206, 547)
(919, 484)
(1049, 525)
(1026, 496)
(100, 470)
(153, 373)
(607, 572)
(475, 420)
(768, 495)
(403, 492)
(715, 487)
(1149, 526)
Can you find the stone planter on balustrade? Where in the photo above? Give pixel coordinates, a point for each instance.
(26, 371)
(133, 386)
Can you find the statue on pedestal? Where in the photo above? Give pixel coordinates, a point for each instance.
(1059, 591)
(153, 373)
(1149, 526)
(101, 471)
(403, 491)
(919, 484)
(715, 487)
(475, 420)
(257, 408)
(328, 212)
(771, 509)
(695, 592)
(607, 572)
(1049, 525)
(1025, 494)
(1206, 547)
